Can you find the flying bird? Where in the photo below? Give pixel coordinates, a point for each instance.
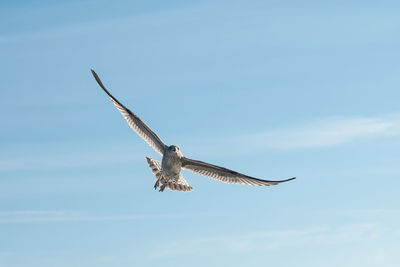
(168, 170)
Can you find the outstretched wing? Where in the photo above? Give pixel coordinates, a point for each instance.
(180, 184)
(223, 174)
(135, 122)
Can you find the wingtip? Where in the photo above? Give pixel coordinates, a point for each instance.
(98, 80)
(287, 180)
(93, 72)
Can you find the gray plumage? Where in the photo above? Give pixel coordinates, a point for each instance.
(168, 171)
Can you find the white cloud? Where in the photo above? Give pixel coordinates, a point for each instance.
(48, 216)
(140, 20)
(271, 240)
(31, 213)
(374, 211)
(60, 161)
(327, 132)
(322, 133)
(66, 156)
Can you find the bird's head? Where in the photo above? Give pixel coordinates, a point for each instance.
(175, 150)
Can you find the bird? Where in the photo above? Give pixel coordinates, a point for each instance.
(168, 170)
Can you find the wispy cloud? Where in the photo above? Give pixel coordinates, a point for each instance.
(254, 16)
(64, 161)
(374, 211)
(54, 216)
(77, 155)
(328, 132)
(73, 29)
(322, 133)
(65, 31)
(270, 240)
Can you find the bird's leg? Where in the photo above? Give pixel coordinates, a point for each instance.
(162, 187)
(157, 184)
(164, 184)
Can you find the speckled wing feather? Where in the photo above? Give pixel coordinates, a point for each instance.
(180, 185)
(223, 174)
(135, 122)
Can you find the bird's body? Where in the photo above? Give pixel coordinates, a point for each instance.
(168, 170)
(171, 164)
(171, 161)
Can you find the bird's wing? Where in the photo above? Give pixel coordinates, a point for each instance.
(135, 122)
(223, 174)
(180, 184)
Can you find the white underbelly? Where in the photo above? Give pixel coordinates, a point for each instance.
(171, 166)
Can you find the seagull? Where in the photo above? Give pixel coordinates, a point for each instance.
(168, 170)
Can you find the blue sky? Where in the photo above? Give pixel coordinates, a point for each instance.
(273, 89)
